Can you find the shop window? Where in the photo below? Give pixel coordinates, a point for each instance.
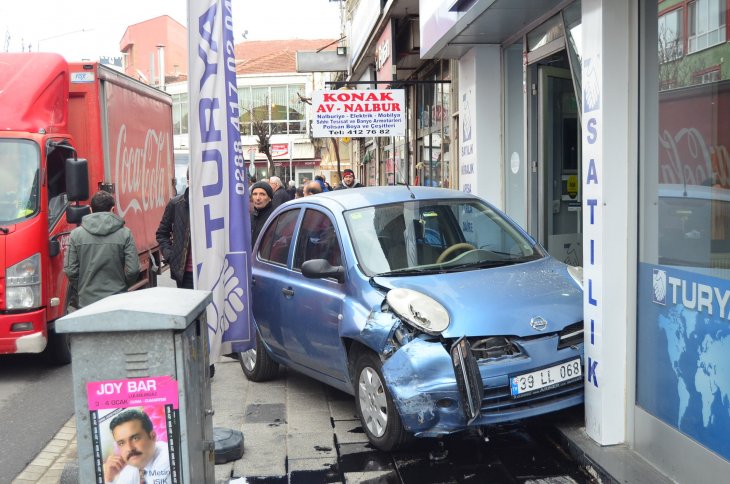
(278, 107)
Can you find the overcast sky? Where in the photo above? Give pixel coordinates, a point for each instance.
(87, 29)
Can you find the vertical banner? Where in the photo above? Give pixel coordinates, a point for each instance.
(220, 224)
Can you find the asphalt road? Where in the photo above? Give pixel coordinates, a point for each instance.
(36, 399)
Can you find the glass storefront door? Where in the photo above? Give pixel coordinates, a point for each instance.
(554, 141)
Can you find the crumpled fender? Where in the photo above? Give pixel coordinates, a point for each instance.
(417, 375)
(378, 328)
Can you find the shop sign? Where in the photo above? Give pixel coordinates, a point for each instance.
(383, 55)
(279, 149)
(359, 114)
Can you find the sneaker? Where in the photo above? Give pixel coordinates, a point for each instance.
(212, 371)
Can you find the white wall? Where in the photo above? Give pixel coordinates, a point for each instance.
(480, 124)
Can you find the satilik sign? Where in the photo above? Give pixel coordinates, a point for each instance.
(359, 114)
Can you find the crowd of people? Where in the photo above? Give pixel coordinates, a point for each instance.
(268, 194)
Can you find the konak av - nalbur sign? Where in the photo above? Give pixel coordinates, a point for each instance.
(359, 114)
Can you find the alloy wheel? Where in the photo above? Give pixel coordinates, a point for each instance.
(373, 402)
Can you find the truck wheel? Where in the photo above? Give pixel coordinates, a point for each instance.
(256, 363)
(58, 350)
(375, 407)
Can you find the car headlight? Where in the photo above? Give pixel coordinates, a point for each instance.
(23, 284)
(576, 272)
(418, 310)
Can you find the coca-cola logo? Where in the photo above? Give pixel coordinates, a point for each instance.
(141, 172)
(689, 160)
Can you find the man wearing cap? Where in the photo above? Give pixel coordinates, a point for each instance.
(348, 180)
(261, 195)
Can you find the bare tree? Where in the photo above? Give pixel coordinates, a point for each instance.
(261, 129)
(263, 132)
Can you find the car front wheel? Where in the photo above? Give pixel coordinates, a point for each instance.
(375, 407)
(256, 363)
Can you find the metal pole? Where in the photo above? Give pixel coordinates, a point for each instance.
(291, 155)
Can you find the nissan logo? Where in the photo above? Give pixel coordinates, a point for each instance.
(538, 323)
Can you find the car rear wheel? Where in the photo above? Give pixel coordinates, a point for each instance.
(256, 363)
(375, 407)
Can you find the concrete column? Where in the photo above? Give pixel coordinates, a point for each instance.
(609, 213)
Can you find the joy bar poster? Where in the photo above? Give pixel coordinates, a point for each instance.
(135, 430)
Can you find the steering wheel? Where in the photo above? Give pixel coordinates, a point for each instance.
(453, 248)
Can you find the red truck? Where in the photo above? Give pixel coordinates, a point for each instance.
(66, 131)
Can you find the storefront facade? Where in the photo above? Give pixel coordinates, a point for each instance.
(602, 127)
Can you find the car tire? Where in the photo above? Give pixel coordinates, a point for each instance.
(378, 415)
(256, 363)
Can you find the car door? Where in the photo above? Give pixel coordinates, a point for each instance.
(311, 332)
(270, 276)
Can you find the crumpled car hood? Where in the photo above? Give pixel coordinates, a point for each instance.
(503, 300)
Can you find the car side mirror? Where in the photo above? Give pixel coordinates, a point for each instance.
(320, 269)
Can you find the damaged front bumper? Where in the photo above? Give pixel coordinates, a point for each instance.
(422, 378)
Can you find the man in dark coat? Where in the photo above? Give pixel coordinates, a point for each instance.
(101, 258)
(173, 235)
(280, 194)
(348, 180)
(261, 199)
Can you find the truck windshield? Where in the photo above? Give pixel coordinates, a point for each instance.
(19, 184)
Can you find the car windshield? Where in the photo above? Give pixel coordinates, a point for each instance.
(19, 163)
(421, 237)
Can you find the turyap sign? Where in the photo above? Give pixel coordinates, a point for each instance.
(359, 114)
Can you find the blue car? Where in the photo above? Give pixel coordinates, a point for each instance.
(430, 306)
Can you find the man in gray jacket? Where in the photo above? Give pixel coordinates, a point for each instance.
(101, 257)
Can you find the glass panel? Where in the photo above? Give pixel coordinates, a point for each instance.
(317, 240)
(279, 103)
(514, 141)
(572, 19)
(545, 33)
(684, 227)
(414, 235)
(260, 103)
(19, 184)
(276, 241)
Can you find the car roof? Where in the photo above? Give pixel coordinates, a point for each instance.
(352, 198)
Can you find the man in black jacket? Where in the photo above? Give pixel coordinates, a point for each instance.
(280, 194)
(173, 235)
(261, 197)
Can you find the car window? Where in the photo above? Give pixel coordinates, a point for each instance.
(317, 240)
(274, 246)
(427, 235)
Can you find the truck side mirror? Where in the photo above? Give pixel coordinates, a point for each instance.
(54, 248)
(77, 179)
(74, 213)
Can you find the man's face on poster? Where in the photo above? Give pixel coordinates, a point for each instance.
(136, 446)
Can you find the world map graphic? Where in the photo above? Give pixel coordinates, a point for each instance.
(683, 365)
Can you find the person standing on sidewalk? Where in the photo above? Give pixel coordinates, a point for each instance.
(173, 235)
(261, 199)
(280, 194)
(101, 258)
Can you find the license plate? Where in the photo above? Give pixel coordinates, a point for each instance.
(546, 378)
